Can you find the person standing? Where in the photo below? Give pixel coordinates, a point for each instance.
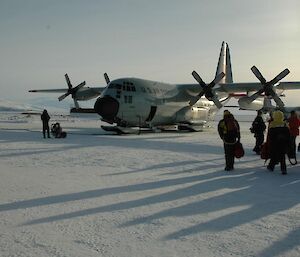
(258, 128)
(294, 123)
(279, 138)
(45, 119)
(229, 132)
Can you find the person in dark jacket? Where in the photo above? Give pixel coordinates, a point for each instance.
(229, 132)
(45, 119)
(279, 138)
(258, 128)
(294, 123)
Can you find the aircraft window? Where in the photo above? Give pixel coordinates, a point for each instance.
(124, 87)
(128, 99)
(143, 89)
(128, 88)
(133, 88)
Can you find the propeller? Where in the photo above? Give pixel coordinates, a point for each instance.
(207, 89)
(268, 87)
(71, 91)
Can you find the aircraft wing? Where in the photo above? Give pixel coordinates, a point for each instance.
(64, 90)
(60, 90)
(244, 87)
(78, 93)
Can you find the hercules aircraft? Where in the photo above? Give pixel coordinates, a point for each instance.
(133, 102)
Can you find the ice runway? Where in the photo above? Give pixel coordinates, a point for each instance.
(154, 194)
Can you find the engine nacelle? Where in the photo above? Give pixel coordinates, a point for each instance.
(192, 114)
(255, 105)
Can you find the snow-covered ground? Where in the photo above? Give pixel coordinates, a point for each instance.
(154, 194)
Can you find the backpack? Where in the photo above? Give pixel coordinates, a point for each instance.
(231, 125)
(238, 150)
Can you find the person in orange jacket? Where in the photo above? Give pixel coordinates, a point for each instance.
(294, 123)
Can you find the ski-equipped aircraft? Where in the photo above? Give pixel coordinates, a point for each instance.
(133, 102)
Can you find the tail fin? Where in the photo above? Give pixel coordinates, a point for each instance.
(224, 64)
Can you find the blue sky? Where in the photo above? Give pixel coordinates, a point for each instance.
(160, 40)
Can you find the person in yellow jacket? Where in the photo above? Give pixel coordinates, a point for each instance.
(279, 140)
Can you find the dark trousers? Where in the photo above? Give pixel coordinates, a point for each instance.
(259, 140)
(46, 128)
(229, 155)
(275, 159)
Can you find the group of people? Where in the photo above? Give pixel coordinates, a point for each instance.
(56, 129)
(281, 137)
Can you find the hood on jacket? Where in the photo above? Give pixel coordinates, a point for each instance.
(278, 119)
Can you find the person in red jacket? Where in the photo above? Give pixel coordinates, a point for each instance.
(294, 123)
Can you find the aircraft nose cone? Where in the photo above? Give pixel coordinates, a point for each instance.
(107, 107)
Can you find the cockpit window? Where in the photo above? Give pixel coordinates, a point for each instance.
(127, 86)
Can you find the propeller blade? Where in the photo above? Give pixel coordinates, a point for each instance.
(277, 99)
(280, 76)
(216, 101)
(68, 81)
(198, 78)
(218, 78)
(79, 86)
(106, 78)
(194, 100)
(258, 75)
(62, 97)
(256, 95)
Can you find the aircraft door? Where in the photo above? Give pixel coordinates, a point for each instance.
(151, 114)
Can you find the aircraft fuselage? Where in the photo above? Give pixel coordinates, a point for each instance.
(139, 102)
